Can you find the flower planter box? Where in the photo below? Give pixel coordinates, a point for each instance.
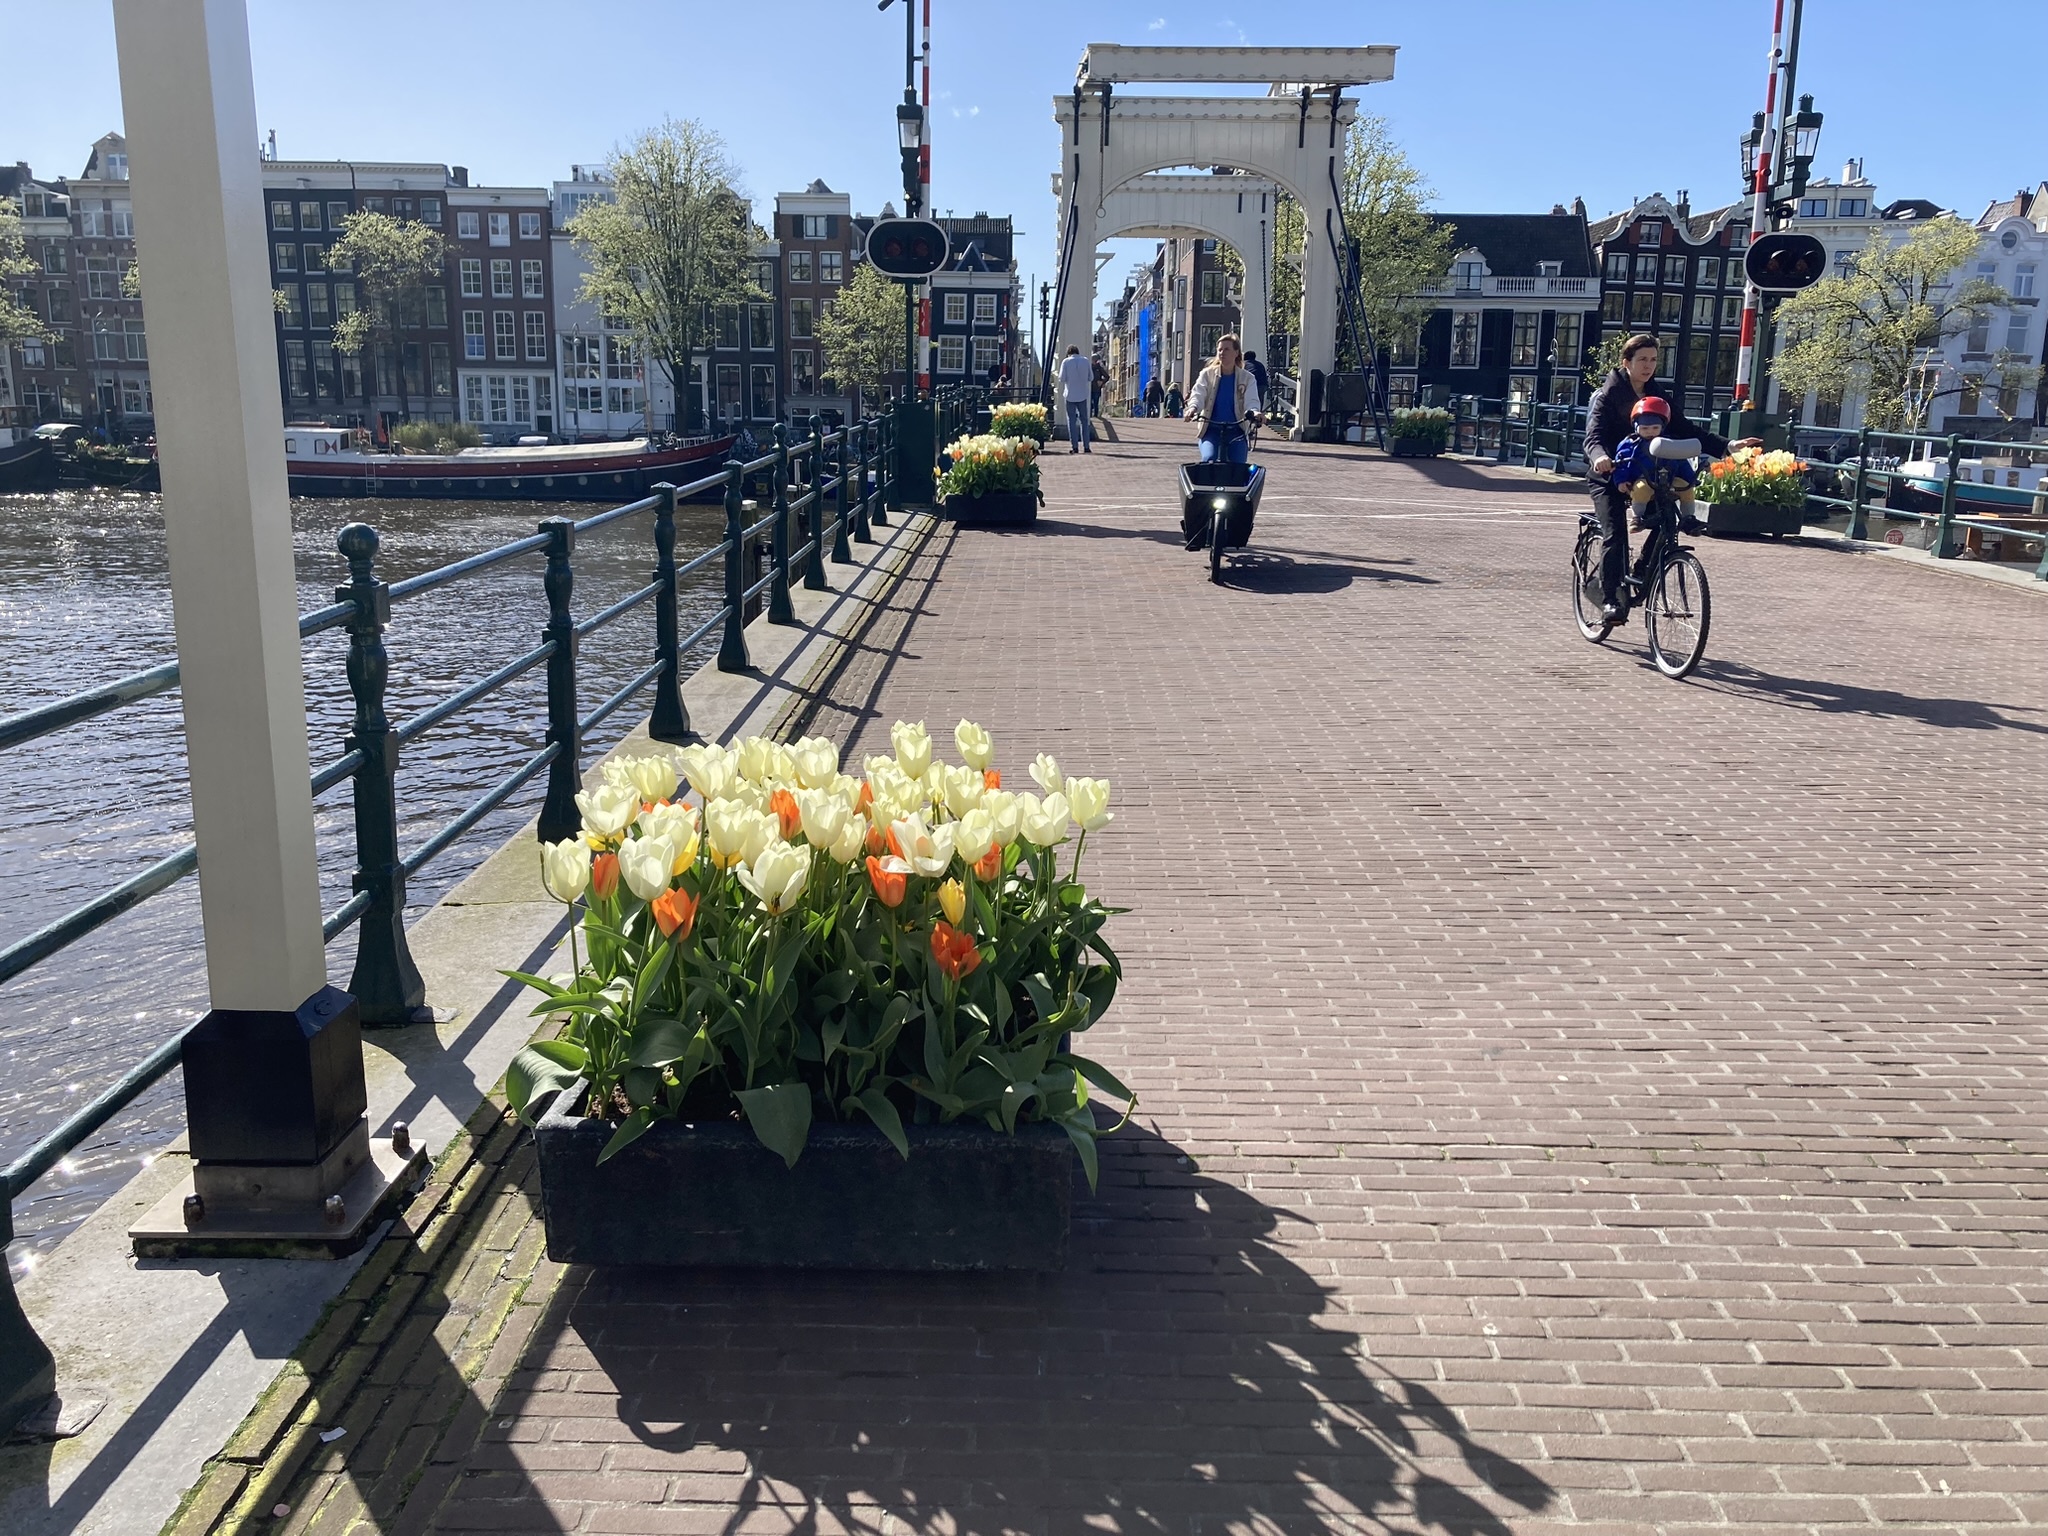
(1415, 448)
(1012, 509)
(709, 1194)
(1751, 517)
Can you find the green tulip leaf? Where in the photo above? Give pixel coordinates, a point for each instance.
(630, 1130)
(780, 1116)
(875, 1104)
(535, 1074)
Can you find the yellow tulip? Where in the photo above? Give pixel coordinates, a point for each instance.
(953, 901)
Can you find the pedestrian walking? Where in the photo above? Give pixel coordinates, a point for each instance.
(1257, 370)
(1098, 378)
(1077, 378)
(1155, 398)
(1173, 401)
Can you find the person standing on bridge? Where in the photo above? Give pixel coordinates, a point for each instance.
(1258, 371)
(1077, 378)
(1155, 398)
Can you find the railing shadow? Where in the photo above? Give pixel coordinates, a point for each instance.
(1185, 1369)
(1835, 698)
(1264, 569)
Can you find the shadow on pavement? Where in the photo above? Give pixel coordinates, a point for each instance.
(1185, 1370)
(1103, 531)
(1848, 699)
(1269, 570)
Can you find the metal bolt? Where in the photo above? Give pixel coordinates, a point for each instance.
(195, 1210)
(401, 1138)
(333, 1211)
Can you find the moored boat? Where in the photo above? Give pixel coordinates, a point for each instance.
(326, 461)
(1983, 488)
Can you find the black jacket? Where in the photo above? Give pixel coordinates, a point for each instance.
(1609, 420)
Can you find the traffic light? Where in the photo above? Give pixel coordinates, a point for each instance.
(1785, 263)
(906, 248)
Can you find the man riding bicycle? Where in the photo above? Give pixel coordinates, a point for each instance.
(1610, 420)
(1226, 397)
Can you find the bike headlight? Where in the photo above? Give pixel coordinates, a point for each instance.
(1220, 503)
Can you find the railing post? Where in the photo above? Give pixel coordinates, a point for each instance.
(28, 1372)
(842, 552)
(892, 468)
(862, 434)
(671, 718)
(1859, 524)
(386, 984)
(559, 817)
(884, 455)
(1533, 412)
(732, 649)
(779, 609)
(1943, 529)
(814, 563)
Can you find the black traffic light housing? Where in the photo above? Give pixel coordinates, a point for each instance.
(906, 248)
(1785, 262)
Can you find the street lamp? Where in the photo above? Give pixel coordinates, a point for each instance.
(1752, 144)
(1805, 136)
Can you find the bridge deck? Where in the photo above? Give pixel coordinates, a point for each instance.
(1572, 1100)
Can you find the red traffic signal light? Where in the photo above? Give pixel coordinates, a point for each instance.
(1785, 263)
(906, 248)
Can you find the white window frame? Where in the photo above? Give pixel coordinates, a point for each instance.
(532, 279)
(799, 266)
(468, 226)
(988, 354)
(471, 271)
(984, 309)
(473, 335)
(500, 226)
(501, 278)
(952, 354)
(956, 309)
(536, 325)
(504, 336)
(530, 226)
(831, 267)
(473, 398)
(1472, 360)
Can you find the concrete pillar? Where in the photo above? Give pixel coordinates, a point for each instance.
(190, 109)
(1317, 347)
(1077, 316)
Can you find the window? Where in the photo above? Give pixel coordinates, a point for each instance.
(800, 319)
(1674, 271)
(298, 382)
(2022, 280)
(529, 226)
(952, 354)
(1465, 338)
(581, 356)
(294, 310)
(319, 310)
(984, 309)
(1466, 275)
(1522, 345)
(473, 398)
(101, 280)
(1710, 271)
(337, 215)
(316, 258)
(830, 266)
(504, 334)
(92, 221)
(1640, 306)
(501, 231)
(764, 276)
(799, 266)
(60, 306)
(122, 221)
(1724, 367)
(1614, 308)
(1401, 391)
(956, 309)
(531, 285)
(1646, 269)
(1853, 208)
(344, 298)
(802, 380)
(499, 396)
(1566, 342)
(729, 333)
(1564, 389)
(1669, 308)
(762, 402)
(1617, 266)
(437, 305)
(287, 256)
(106, 341)
(430, 211)
(536, 336)
(1696, 361)
(2016, 332)
(401, 207)
(728, 386)
(522, 400)
(53, 258)
(1731, 310)
(473, 334)
(1402, 350)
(1970, 397)
(811, 226)
(1979, 338)
(468, 225)
(501, 279)
(280, 216)
(1704, 309)
(1650, 232)
(761, 326)
(1207, 339)
(1813, 207)
(988, 354)
(1214, 289)
(337, 259)
(1738, 233)
(1550, 269)
(471, 271)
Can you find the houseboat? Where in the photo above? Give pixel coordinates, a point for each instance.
(333, 461)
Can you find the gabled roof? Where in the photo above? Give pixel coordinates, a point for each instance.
(1513, 243)
(2022, 204)
(1697, 227)
(1913, 208)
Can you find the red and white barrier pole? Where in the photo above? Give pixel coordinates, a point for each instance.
(1759, 217)
(924, 177)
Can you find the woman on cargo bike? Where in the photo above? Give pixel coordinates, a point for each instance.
(1220, 493)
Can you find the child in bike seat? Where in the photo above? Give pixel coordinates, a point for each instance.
(1640, 470)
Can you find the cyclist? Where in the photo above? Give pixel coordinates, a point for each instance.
(1226, 397)
(1609, 421)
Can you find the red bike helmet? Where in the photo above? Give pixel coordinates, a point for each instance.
(1650, 405)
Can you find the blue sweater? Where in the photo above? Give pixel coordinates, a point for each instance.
(1634, 462)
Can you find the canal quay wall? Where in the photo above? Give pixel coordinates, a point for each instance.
(180, 1352)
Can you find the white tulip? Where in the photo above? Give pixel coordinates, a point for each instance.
(1043, 822)
(824, 816)
(929, 849)
(608, 810)
(1005, 810)
(728, 828)
(645, 864)
(676, 823)
(851, 842)
(913, 747)
(962, 789)
(778, 875)
(817, 762)
(1046, 772)
(654, 777)
(756, 760)
(709, 769)
(973, 835)
(565, 868)
(1089, 799)
(975, 746)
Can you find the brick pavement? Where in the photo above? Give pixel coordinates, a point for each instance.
(1572, 1100)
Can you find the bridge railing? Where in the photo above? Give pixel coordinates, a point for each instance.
(851, 468)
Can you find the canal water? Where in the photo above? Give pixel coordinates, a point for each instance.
(85, 598)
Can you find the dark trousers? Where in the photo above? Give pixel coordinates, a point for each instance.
(1611, 508)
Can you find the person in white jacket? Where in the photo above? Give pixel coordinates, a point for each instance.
(1077, 378)
(1226, 397)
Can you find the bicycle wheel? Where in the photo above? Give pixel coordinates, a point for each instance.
(1677, 612)
(1586, 587)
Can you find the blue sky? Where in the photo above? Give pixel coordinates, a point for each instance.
(1506, 104)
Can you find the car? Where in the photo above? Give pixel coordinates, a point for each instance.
(62, 432)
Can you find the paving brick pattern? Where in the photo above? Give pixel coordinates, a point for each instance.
(1572, 1100)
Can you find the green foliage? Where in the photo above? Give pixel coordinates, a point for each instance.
(1402, 252)
(437, 436)
(393, 260)
(1425, 426)
(1283, 308)
(990, 465)
(673, 247)
(1874, 329)
(861, 333)
(17, 321)
(1018, 418)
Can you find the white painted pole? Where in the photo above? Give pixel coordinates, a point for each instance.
(190, 106)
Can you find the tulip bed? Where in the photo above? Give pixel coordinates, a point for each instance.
(1758, 478)
(990, 466)
(1021, 419)
(798, 944)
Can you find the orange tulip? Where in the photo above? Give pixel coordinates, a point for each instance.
(956, 953)
(889, 883)
(675, 913)
(604, 876)
(991, 864)
(895, 848)
(875, 841)
(867, 796)
(990, 779)
(783, 804)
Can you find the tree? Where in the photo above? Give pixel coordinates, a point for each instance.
(861, 333)
(17, 321)
(1402, 252)
(673, 246)
(1873, 329)
(394, 260)
(1283, 299)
